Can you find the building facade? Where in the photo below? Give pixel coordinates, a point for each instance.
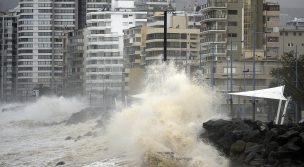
(233, 33)
(144, 46)
(8, 54)
(42, 25)
(291, 37)
(272, 24)
(104, 54)
(74, 49)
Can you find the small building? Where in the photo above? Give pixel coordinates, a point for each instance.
(291, 37)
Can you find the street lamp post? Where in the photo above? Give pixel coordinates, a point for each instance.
(212, 65)
(296, 80)
(231, 77)
(165, 35)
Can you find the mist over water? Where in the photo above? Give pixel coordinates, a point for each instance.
(45, 109)
(165, 118)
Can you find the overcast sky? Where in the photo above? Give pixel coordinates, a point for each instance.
(8, 4)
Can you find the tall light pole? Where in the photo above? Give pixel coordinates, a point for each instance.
(212, 65)
(231, 76)
(296, 80)
(165, 35)
(253, 68)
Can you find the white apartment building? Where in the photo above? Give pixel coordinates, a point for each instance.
(104, 54)
(42, 24)
(8, 55)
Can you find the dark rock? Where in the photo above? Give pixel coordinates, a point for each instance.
(87, 114)
(257, 162)
(262, 127)
(253, 136)
(258, 148)
(68, 138)
(89, 134)
(257, 143)
(238, 147)
(226, 141)
(215, 124)
(78, 138)
(272, 146)
(302, 137)
(60, 163)
(250, 157)
(292, 145)
(269, 136)
(282, 139)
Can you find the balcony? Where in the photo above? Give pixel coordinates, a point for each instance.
(214, 17)
(215, 29)
(210, 6)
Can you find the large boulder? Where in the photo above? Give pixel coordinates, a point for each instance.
(238, 147)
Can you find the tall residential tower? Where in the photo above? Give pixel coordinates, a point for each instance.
(42, 24)
(8, 55)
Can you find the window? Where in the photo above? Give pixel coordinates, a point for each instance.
(300, 34)
(228, 70)
(294, 34)
(232, 12)
(273, 39)
(26, 5)
(232, 34)
(290, 44)
(45, 5)
(286, 33)
(232, 23)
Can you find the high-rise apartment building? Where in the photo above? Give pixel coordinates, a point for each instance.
(233, 33)
(8, 55)
(74, 49)
(221, 38)
(42, 24)
(104, 54)
(272, 24)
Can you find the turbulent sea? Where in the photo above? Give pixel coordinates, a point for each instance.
(159, 129)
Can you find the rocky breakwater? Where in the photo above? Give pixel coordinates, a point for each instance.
(256, 143)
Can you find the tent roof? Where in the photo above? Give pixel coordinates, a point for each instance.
(271, 93)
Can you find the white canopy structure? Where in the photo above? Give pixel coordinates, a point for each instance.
(270, 93)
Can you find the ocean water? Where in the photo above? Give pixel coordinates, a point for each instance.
(160, 129)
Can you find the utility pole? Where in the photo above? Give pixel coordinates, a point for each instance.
(212, 65)
(165, 35)
(254, 72)
(297, 81)
(231, 76)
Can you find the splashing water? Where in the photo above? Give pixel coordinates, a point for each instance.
(159, 130)
(46, 109)
(168, 119)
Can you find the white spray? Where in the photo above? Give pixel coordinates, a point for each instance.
(167, 119)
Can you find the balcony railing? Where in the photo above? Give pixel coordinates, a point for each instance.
(214, 16)
(214, 28)
(214, 5)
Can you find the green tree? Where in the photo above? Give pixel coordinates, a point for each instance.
(286, 75)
